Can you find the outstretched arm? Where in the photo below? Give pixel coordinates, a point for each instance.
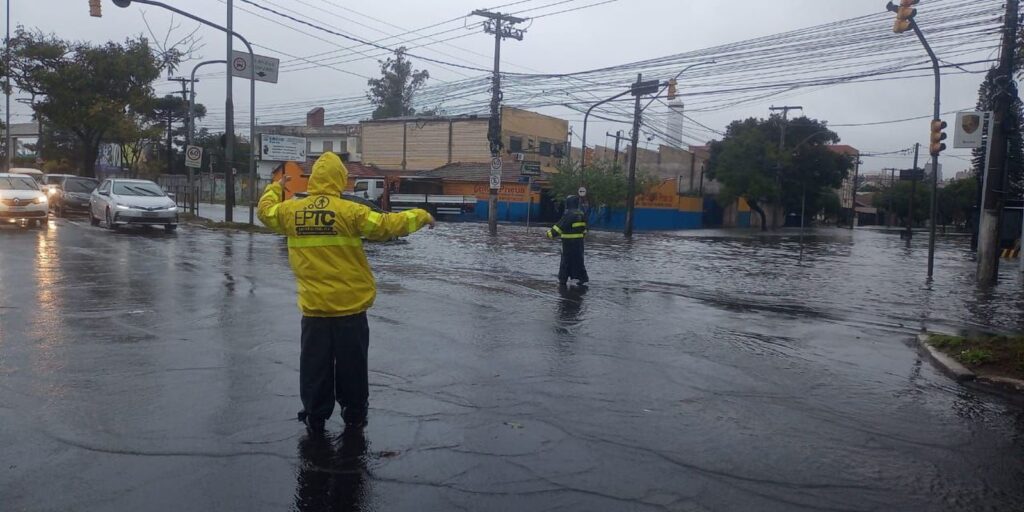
(382, 226)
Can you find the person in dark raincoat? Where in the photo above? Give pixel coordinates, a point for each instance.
(572, 229)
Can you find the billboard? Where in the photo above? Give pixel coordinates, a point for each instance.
(282, 148)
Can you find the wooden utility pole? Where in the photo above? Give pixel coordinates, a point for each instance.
(993, 196)
(501, 25)
(782, 143)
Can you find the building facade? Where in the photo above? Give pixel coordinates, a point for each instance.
(320, 138)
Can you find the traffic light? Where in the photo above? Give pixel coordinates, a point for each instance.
(672, 89)
(95, 9)
(937, 146)
(904, 13)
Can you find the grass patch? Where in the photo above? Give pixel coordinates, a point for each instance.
(997, 355)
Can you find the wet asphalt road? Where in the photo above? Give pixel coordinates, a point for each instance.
(702, 371)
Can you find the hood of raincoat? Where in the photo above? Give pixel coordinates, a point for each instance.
(572, 203)
(329, 176)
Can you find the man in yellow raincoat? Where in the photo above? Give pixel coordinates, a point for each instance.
(336, 287)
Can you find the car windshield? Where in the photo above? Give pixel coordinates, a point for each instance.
(79, 185)
(18, 183)
(137, 189)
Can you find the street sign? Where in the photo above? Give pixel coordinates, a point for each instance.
(643, 88)
(194, 157)
(495, 180)
(266, 67)
(530, 169)
(496, 164)
(282, 148)
(911, 174)
(582, 191)
(969, 130)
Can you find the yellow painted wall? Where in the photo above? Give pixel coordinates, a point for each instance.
(512, 192)
(382, 145)
(536, 127)
(426, 145)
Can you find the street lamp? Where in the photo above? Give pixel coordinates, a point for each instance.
(229, 125)
(670, 83)
(191, 128)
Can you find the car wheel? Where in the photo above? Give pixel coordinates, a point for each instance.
(110, 221)
(92, 219)
(170, 228)
(42, 224)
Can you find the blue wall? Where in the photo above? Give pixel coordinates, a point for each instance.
(647, 219)
(743, 219)
(508, 212)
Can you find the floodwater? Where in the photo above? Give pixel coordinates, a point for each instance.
(701, 371)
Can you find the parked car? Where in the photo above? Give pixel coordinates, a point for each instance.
(21, 200)
(36, 174)
(120, 202)
(69, 194)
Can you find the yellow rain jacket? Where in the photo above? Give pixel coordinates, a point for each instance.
(325, 246)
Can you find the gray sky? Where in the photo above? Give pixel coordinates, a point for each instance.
(614, 33)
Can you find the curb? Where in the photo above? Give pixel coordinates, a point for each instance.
(962, 374)
(947, 364)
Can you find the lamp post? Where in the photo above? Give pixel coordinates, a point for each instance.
(191, 128)
(229, 128)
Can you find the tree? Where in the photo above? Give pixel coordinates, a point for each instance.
(956, 201)
(607, 183)
(899, 196)
(393, 92)
(988, 92)
(748, 163)
(84, 89)
(213, 147)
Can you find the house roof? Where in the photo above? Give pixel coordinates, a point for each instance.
(511, 171)
(355, 170)
(844, 149)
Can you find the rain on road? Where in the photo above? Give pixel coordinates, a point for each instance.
(701, 371)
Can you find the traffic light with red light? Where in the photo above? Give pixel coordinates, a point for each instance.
(937, 146)
(95, 9)
(672, 89)
(904, 13)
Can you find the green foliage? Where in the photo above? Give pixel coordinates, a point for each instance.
(84, 89)
(607, 184)
(213, 148)
(749, 163)
(899, 197)
(393, 92)
(975, 356)
(945, 341)
(957, 200)
(987, 95)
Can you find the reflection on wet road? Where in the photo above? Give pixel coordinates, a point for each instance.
(700, 371)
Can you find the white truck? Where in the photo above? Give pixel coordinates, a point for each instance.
(413, 193)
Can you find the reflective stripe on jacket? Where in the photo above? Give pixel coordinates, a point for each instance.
(572, 226)
(325, 240)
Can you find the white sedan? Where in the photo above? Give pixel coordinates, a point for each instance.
(120, 202)
(21, 200)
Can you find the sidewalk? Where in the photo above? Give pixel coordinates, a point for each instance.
(215, 212)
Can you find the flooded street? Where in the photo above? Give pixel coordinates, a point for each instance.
(700, 371)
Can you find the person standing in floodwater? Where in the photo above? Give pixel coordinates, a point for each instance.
(336, 287)
(572, 229)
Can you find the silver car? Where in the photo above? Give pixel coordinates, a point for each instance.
(120, 202)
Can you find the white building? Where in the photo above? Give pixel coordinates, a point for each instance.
(339, 138)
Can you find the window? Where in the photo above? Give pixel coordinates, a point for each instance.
(328, 145)
(309, 146)
(560, 150)
(83, 185)
(138, 188)
(515, 144)
(105, 187)
(380, 184)
(545, 148)
(361, 186)
(17, 183)
(530, 144)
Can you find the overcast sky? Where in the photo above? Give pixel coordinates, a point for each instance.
(603, 35)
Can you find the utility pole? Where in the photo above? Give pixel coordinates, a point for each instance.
(782, 140)
(501, 25)
(170, 118)
(993, 196)
(618, 139)
(8, 140)
(892, 190)
(913, 192)
(229, 124)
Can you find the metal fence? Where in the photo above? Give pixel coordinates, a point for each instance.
(210, 188)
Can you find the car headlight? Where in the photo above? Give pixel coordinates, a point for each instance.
(172, 208)
(123, 207)
(40, 199)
